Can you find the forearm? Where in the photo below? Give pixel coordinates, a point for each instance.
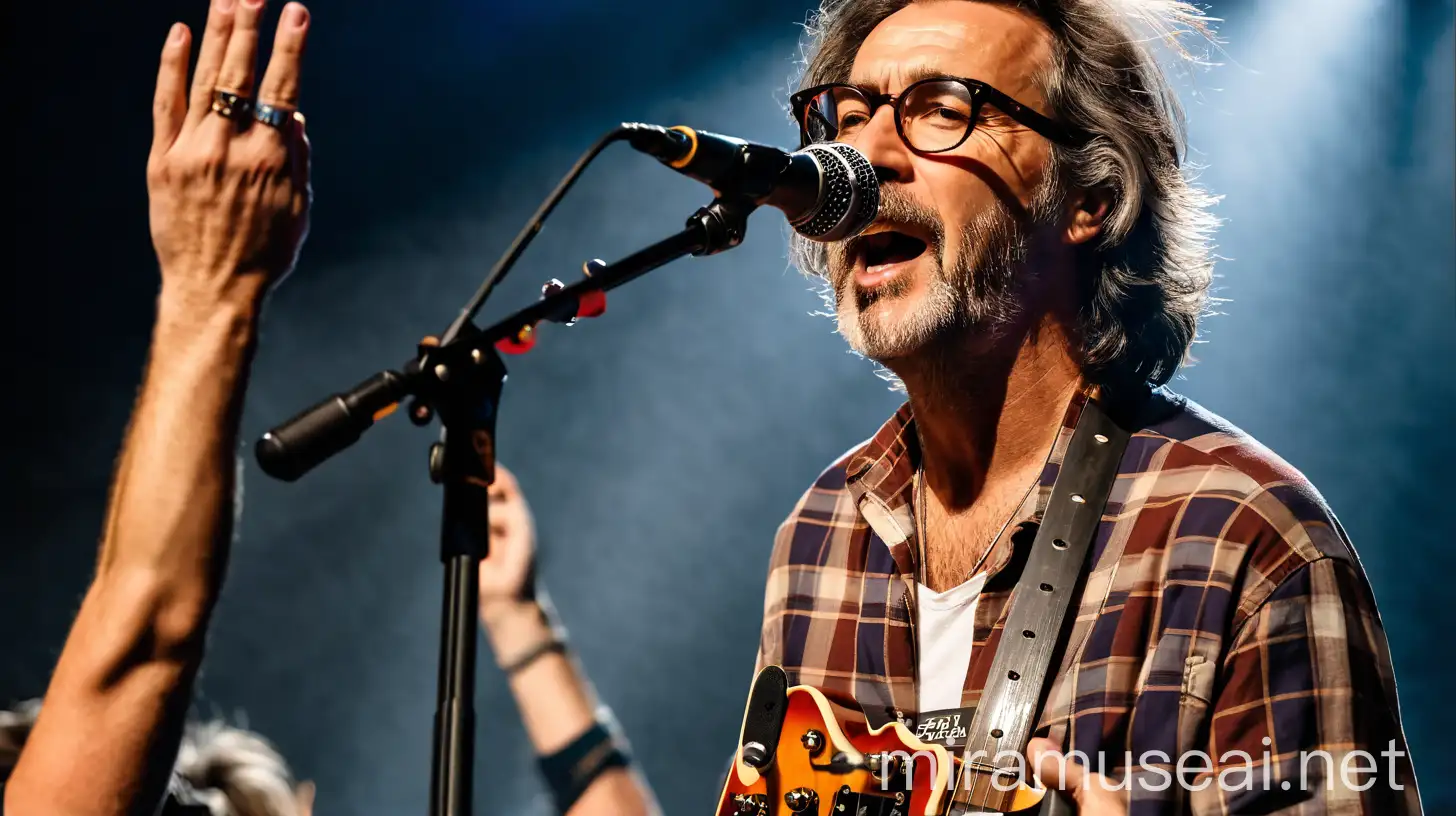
(557, 705)
(115, 704)
(166, 544)
(555, 701)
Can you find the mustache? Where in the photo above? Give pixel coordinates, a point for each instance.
(899, 211)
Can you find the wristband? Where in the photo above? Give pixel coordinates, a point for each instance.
(537, 652)
(570, 771)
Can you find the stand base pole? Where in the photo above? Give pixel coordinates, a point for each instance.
(454, 752)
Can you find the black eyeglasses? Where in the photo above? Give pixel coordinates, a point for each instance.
(932, 116)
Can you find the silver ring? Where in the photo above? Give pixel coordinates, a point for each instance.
(230, 104)
(276, 116)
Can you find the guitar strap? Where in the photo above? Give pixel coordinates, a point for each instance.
(1041, 604)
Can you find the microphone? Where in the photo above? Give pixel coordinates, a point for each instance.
(829, 191)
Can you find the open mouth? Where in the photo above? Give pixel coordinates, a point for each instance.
(890, 247)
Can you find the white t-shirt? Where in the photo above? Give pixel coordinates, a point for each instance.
(946, 626)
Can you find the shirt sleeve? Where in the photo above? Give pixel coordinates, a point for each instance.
(775, 601)
(1306, 721)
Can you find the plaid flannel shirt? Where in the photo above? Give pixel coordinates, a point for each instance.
(1224, 611)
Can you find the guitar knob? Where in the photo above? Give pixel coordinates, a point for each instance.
(750, 804)
(755, 755)
(801, 800)
(813, 742)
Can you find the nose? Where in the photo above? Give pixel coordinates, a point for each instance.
(882, 145)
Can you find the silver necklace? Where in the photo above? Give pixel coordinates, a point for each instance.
(922, 515)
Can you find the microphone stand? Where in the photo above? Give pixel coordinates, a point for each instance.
(461, 382)
(464, 463)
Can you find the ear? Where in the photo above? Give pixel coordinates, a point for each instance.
(1088, 212)
(304, 796)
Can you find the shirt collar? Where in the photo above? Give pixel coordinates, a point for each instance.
(880, 476)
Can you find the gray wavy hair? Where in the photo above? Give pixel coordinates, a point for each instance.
(1154, 260)
(231, 771)
(15, 725)
(234, 772)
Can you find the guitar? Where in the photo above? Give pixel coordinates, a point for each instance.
(804, 753)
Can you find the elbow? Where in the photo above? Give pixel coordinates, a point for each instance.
(145, 618)
(178, 630)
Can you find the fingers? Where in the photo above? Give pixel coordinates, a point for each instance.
(1053, 768)
(280, 81)
(209, 59)
(238, 61)
(304, 795)
(299, 156)
(504, 479)
(504, 488)
(169, 105)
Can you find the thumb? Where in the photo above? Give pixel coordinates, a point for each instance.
(1053, 768)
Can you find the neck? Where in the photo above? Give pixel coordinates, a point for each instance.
(988, 415)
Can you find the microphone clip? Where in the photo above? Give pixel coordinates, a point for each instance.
(724, 222)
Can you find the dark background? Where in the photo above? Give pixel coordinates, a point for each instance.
(662, 444)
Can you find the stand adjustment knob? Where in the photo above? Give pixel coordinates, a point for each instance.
(437, 462)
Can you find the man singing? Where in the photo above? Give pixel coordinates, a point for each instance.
(1038, 245)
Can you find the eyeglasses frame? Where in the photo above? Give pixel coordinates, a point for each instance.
(981, 94)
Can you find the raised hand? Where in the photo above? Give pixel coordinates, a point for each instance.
(229, 202)
(506, 572)
(227, 176)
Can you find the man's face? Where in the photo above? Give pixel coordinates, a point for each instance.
(946, 253)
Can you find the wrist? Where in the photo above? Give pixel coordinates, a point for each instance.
(188, 315)
(515, 626)
(192, 298)
(505, 612)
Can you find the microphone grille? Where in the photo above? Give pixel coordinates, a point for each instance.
(851, 194)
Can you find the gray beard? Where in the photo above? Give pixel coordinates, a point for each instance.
(975, 293)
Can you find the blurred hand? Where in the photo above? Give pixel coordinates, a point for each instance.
(1093, 795)
(506, 573)
(229, 196)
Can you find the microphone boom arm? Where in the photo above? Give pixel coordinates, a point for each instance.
(307, 440)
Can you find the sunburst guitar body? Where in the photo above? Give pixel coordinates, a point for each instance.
(828, 761)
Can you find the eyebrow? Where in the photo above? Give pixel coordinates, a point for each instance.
(911, 76)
